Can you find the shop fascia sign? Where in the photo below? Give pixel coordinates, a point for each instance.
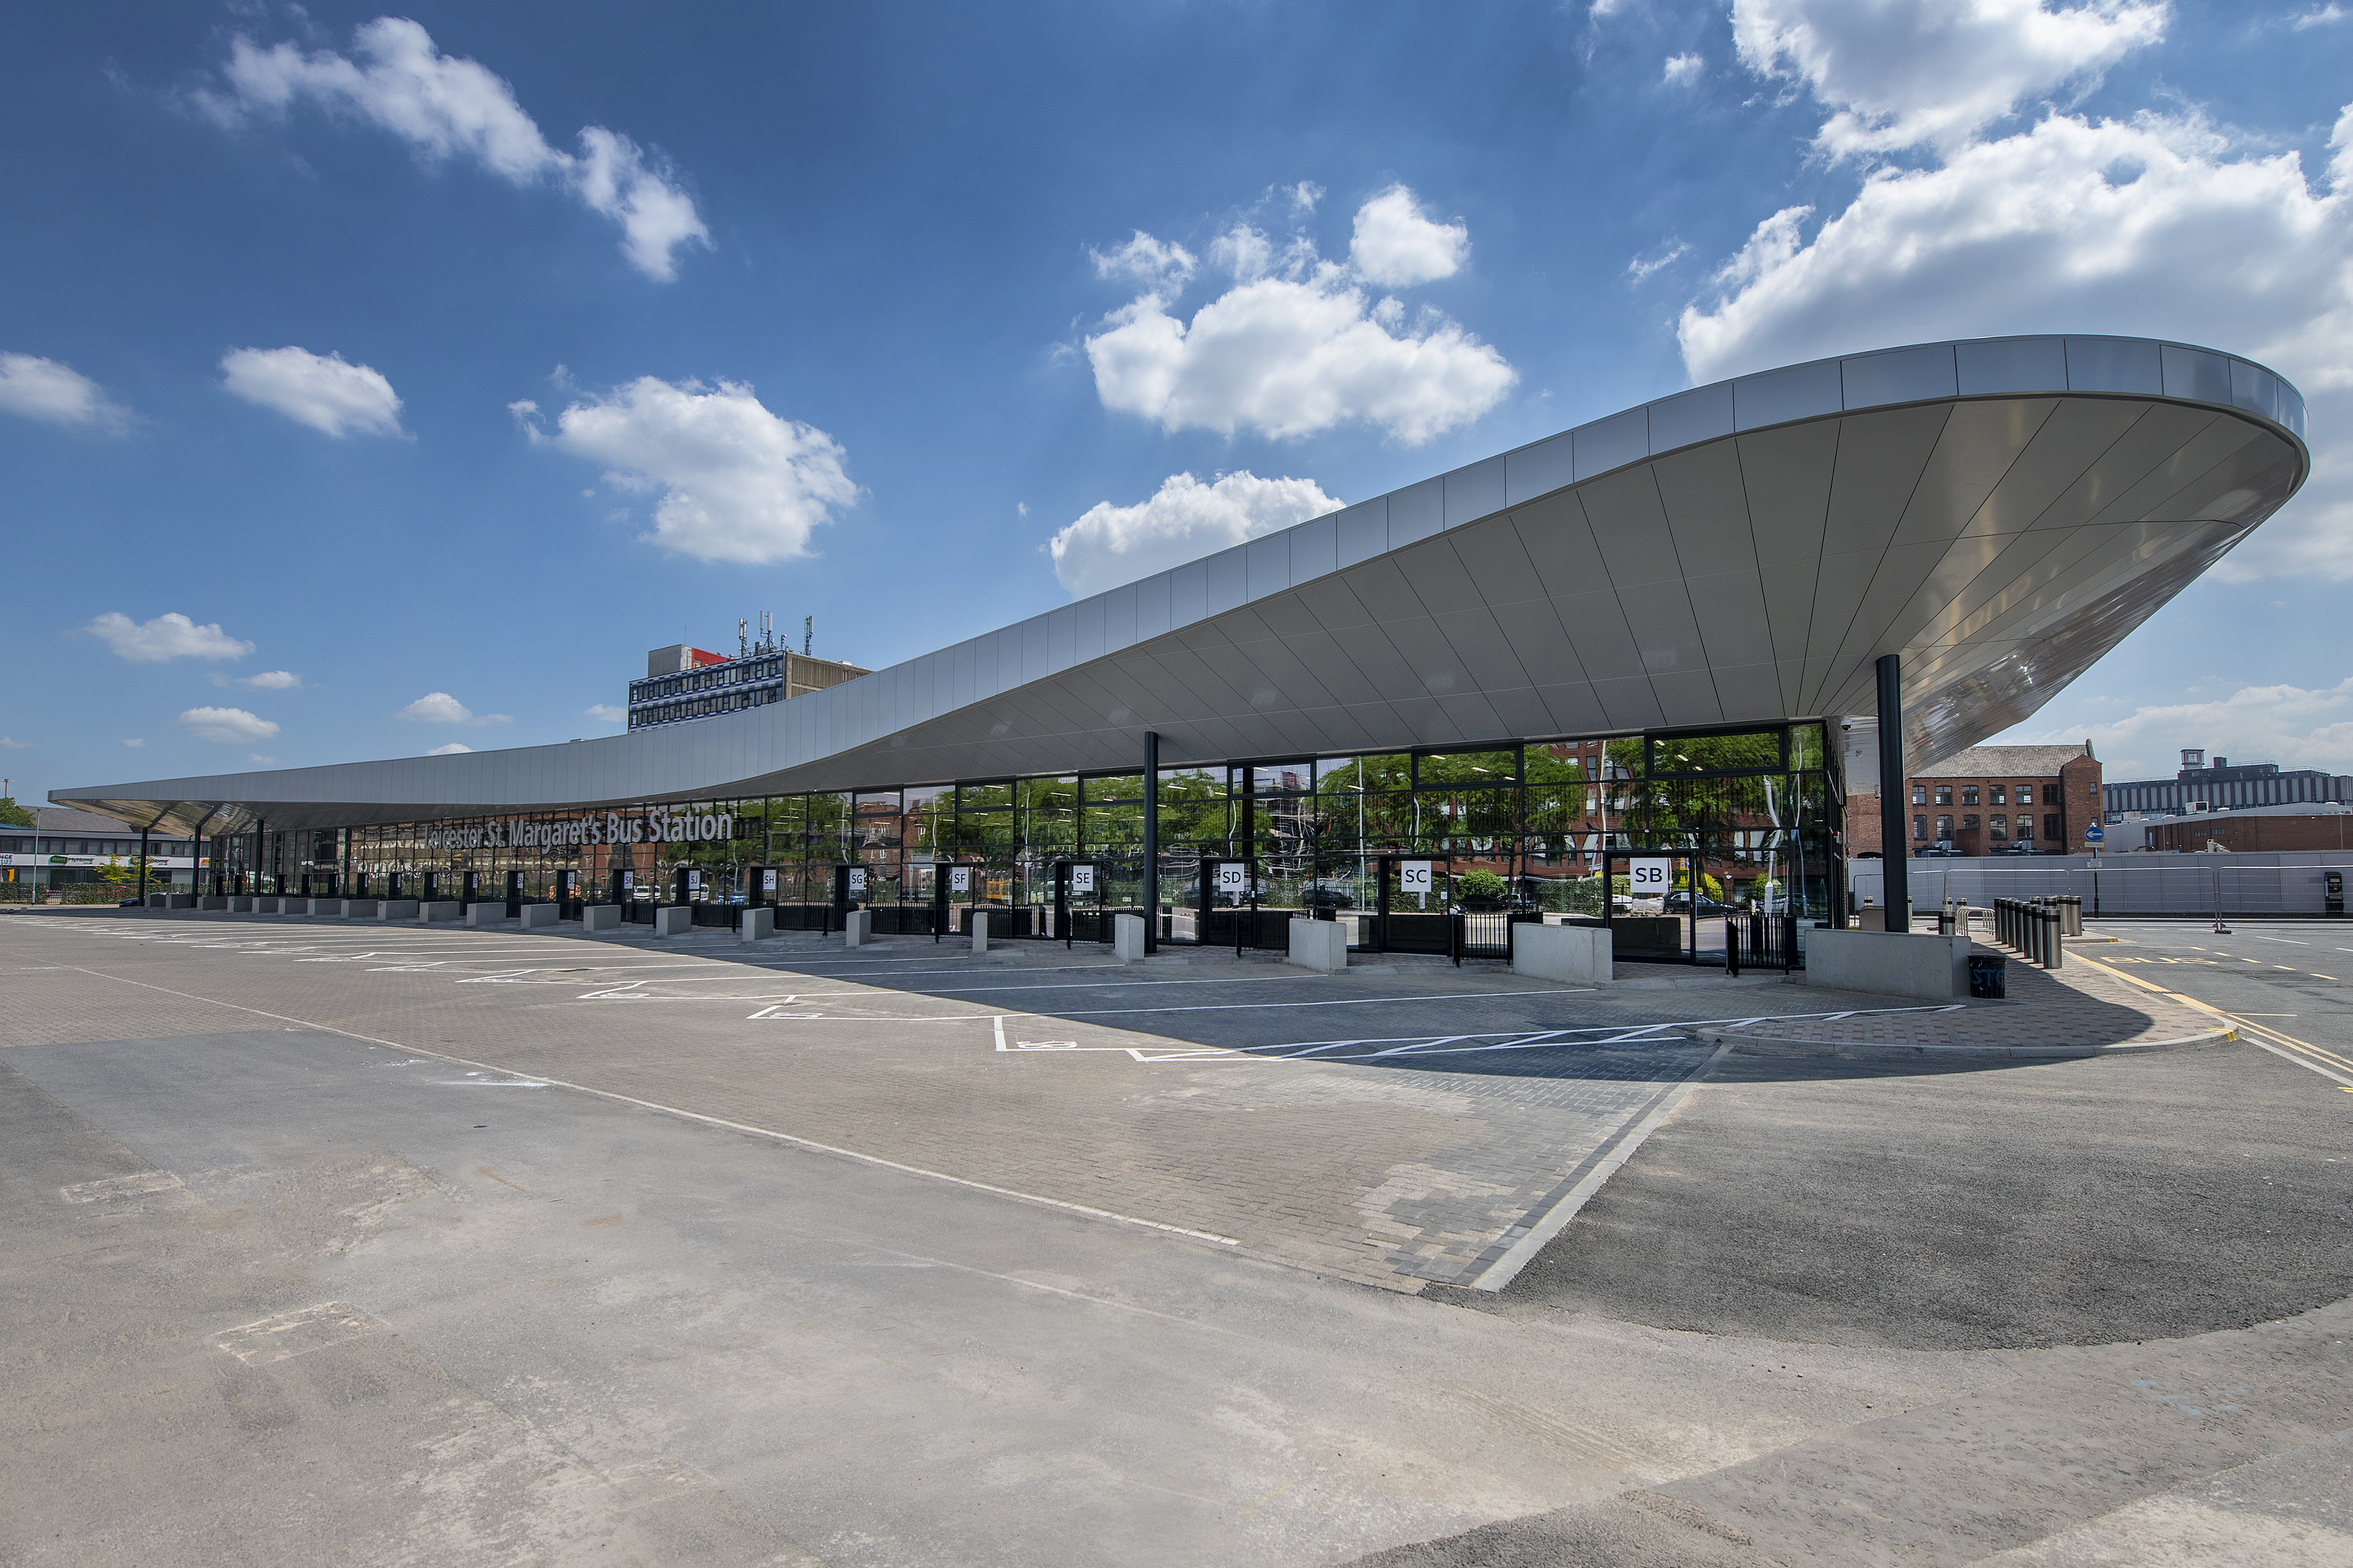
(657, 824)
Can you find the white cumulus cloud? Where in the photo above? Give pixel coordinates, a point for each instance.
(228, 726)
(323, 390)
(2163, 224)
(1901, 73)
(45, 389)
(1299, 345)
(1681, 70)
(1396, 245)
(610, 712)
(2295, 726)
(453, 749)
(134, 745)
(167, 637)
(397, 80)
(1183, 519)
(440, 708)
(737, 482)
(1144, 259)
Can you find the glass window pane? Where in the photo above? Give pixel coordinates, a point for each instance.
(1806, 746)
(827, 826)
(931, 819)
(1452, 768)
(1114, 828)
(1279, 778)
(1757, 751)
(876, 820)
(1347, 775)
(1560, 763)
(984, 796)
(1193, 806)
(1048, 819)
(985, 835)
(1122, 786)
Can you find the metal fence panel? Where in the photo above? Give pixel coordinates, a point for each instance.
(2273, 882)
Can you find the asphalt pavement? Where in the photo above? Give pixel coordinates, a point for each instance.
(310, 1255)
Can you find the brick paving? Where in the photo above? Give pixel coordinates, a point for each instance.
(2079, 1006)
(1398, 1125)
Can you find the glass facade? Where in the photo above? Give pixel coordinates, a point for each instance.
(1748, 815)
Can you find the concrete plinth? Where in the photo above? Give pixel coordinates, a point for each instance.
(1320, 945)
(673, 920)
(979, 932)
(600, 917)
(1889, 963)
(1874, 917)
(214, 902)
(361, 909)
(178, 900)
(759, 924)
(534, 916)
(240, 904)
(487, 914)
(1577, 955)
(1127, 938)
(858, 927)
(397, 909)
(440, 910)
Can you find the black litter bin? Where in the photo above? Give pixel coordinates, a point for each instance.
(1989, 975)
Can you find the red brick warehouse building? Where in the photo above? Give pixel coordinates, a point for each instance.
(1988, 798)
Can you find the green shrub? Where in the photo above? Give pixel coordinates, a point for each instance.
(1481, 885)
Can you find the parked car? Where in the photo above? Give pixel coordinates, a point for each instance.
(1316, 897)
(1679, 900)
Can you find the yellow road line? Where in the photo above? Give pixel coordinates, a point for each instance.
(2263, 1033)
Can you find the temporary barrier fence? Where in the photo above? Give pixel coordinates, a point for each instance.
(2286, 883)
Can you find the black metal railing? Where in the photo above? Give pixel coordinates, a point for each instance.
(1762, 941)
(1485, 933)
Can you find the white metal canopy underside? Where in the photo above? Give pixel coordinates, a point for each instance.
(1999, 512)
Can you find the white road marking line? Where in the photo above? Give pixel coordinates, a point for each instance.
(685, 1115)
(1141, 1054)
(1501, 1272)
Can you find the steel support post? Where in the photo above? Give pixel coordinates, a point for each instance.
(1894, 846)
(1151, 842)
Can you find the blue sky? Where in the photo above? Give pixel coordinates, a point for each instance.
(378, 382)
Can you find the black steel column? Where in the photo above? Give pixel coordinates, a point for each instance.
(1894, 843)
(1151, 841)
(142, 866)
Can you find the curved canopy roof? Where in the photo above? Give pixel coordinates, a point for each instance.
(1998, 511)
